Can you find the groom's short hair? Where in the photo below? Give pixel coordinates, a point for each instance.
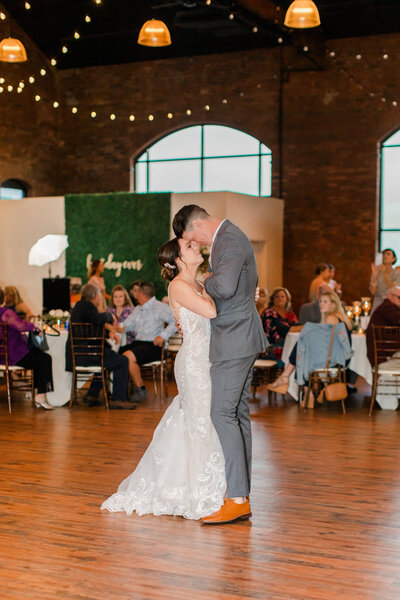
(185, 216)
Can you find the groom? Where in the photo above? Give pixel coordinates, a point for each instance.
(237, 336)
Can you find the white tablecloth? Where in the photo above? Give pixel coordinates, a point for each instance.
(359, 364)
(62, 379)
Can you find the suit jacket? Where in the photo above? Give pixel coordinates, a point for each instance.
(237, 329)
(84, 312)
(310, 313)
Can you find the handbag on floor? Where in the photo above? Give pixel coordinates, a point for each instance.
(337, 390)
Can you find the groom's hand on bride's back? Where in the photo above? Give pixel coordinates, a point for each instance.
(158, 341)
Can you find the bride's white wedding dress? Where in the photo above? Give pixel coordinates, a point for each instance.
(182, 471)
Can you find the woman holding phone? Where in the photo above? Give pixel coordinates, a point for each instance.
(383, 276)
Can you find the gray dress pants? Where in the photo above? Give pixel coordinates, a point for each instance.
(230, 414)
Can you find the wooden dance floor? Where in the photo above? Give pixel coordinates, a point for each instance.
(325, 500)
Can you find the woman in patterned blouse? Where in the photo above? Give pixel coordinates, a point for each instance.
(121, 307)
(277, 319)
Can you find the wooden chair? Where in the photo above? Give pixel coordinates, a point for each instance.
(386, 369)
(158, 369)
(87, 346)
(262, 374)
(174, 345)
(25, 376)
(317, 381)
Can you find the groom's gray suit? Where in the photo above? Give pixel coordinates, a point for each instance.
(237, 336)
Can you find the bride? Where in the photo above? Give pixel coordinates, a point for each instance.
(182, 471)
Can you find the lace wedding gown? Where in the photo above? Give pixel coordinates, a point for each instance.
(182, 471)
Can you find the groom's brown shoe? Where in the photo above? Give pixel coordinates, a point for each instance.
(230, 511)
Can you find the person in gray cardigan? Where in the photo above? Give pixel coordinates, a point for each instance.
(237, 337)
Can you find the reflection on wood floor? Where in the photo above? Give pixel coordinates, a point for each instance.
(325, 500)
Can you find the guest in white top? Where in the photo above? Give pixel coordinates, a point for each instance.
(383, 277)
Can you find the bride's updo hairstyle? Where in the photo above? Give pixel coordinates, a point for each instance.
(167, 255)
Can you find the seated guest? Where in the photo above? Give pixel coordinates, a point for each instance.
(14, 301)
(332, 313)
(277, 319)
(147, 321)
(262, 302)
(121, 307)
(86, 310)
(310, 312)
(133, 290)
(383, 277)
(388, 314)
(323, 275)
(19, 354)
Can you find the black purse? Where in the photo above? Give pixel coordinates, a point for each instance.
(37, 342)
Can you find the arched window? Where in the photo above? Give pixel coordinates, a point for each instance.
(13, 189)
(390, 194)
(205, 158)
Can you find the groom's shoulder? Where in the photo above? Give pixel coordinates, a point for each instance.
(233, 232)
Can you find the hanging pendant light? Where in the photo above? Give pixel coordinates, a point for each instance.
(154, 33)
(12, 50)
(302, 14)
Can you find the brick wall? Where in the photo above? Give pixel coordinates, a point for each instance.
(28, 129)
(331, 129)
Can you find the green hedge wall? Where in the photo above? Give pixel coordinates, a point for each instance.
(130, 227)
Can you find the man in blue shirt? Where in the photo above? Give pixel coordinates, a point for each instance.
(153, 323)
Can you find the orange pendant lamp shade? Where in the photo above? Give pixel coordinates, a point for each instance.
(302, 14)
(12, 50)
(154, 33)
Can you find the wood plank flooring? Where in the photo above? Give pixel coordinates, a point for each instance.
(325, 500)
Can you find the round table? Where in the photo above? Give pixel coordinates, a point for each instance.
(62, 379)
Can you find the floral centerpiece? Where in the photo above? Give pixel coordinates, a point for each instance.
(56, 316)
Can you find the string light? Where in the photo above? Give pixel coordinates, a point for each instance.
(1, 90)
(206, 107)
(255, 29)
(10, 88)
(37, 98)
(112, 117)
(2, 80)
(56, 104)
(21, 84)
(31, 79)
(151, 117)
(87, 19)
(43, 72)
(224, 101)
(77, 35)
(131, 117)
(64, 49)
(98, 1)
(19, 89)
(358, 83)
(27, 5)
(231, 16)
(74, 110)
(53, 61)
(93, 114)
(2, 16)
(188, 112)
(170, 115)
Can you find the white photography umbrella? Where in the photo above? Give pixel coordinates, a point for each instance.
(47, 249)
